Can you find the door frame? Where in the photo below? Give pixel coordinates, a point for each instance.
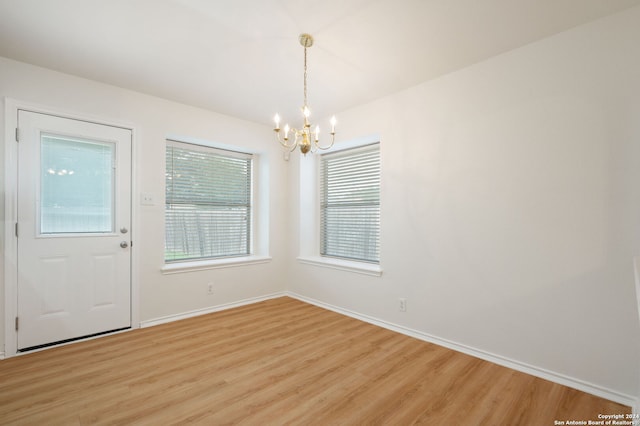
(11, 109)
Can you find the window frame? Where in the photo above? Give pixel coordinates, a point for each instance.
(309, 209)
(351, 154)
(203, 263)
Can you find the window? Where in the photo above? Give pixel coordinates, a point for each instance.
(350, 204)
(208, 203)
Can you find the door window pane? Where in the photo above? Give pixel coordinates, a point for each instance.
(76, 186)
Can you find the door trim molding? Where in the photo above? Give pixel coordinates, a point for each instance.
(11, 108)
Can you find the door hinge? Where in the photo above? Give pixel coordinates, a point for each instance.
(17, 134)
(16, 323)
(16, 229)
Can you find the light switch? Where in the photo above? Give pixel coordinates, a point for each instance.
(147, 199)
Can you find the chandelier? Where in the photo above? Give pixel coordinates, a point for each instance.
(303, 137)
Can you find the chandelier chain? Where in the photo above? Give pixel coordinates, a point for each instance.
(305, 76)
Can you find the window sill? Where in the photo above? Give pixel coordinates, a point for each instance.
(343, 265)
(202, 265)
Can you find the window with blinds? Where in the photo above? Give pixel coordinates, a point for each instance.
(208, 202)
(350, 204)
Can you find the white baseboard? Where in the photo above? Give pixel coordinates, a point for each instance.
(487, 356)
(211, 309)
(1, 356)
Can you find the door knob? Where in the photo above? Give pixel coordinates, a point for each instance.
(124, 244)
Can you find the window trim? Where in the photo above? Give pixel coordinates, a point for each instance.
(364, 268)
(214, 263)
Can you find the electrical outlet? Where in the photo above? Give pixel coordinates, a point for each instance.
(210, 288)
(402, 305)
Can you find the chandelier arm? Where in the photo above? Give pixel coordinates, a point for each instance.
(333, 139)
(288, 145)
(293, 147)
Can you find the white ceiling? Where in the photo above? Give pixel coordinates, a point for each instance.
(242, 57)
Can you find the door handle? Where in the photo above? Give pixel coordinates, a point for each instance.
(124, 244)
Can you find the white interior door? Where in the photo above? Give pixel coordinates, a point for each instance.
(74, 219)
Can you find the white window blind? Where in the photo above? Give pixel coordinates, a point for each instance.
(208, 202)
(350, 204)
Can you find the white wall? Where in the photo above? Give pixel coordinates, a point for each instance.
(511, 208)
(154, 119)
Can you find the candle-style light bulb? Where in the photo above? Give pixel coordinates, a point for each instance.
(317, 132)
(333, 124)
(277, 120)
(286, 131)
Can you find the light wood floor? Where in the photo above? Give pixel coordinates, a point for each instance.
(276, 362)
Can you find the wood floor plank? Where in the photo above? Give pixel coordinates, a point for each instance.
(276, 362)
